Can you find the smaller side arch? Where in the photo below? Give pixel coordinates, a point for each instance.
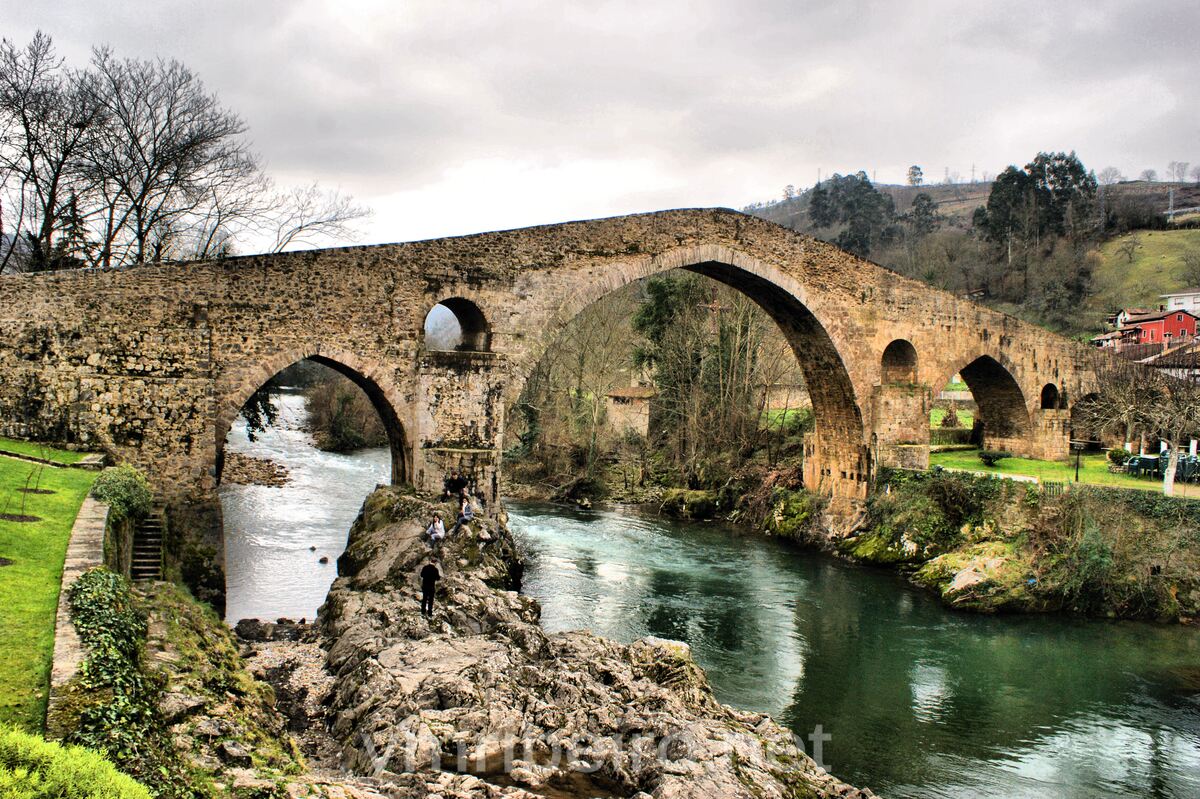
(457, 323)
(1050, 397)
(899, 362)
(369, 377)
(1003, 418)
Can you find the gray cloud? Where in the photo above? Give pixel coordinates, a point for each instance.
(454, 117)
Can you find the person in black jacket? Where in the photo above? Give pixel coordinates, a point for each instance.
(429, 577)
(453, 484)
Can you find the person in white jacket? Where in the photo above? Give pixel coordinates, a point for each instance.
(436, 531)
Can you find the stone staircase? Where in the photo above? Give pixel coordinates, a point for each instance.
(146, 563)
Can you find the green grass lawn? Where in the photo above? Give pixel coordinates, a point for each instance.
(1156, 268)
(29, 586)
(1093, 469)
(39, 451)
(965, 418)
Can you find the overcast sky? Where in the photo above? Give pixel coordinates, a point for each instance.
(456, 118)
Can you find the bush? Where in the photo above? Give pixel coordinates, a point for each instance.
(1118, 455)
(31, 768)
(341, 417)
(685, 503)
(794, 513)
(991, 457)
(951, 418)
(125, 490)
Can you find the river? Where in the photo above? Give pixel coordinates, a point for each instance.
(915, 700)
(275, 537)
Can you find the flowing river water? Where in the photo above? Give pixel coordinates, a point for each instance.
(912, 699)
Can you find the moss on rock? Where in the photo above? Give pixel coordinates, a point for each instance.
(685, 503)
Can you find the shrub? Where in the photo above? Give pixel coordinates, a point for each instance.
(342, 418)
(1118, 455)
(689, 504)
(951, 418)
(125, 490)
(991, 457)
(31, 768)
(794, 513)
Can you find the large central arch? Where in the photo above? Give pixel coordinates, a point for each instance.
(835, 458)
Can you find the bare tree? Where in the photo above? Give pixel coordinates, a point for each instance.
(1120, 406)
(1177, 171)
(1191, 268)
(1148, 175)
(1174, 413)
(165, 145)
(1196, 174)
(46, 116)
(1135, 397)
(1109, 175)
(309, 213)
(1128, 247)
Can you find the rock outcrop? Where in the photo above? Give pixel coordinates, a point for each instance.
(249, 470)
(478, 701)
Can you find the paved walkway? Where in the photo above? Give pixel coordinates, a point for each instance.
(85, 550)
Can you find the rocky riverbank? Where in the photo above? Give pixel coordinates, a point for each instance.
(380, 702)
(989, 545)
(479, 701)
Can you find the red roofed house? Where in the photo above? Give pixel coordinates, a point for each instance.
(1163, 326)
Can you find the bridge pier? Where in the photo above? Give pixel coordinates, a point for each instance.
(838, 469)
(459, 421)
(1050, 436)
(900, 412)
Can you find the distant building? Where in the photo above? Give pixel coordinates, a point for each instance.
(1181, 361)
(1163, 326)
(1115, 338)
(628, 409)
(1182, 300)
(1122, 316)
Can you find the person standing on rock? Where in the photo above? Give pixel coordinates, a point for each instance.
(436, 531)
(429, 577)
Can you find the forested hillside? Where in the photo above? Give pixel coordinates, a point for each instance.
(1042, 242)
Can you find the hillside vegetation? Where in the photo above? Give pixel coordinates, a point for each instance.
(1152, 266)
(1045, 242)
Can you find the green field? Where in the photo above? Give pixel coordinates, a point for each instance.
(29, 585)
(1157, 267)
(772, 418)
(1093, 469)
(965, 418)
(36, 450)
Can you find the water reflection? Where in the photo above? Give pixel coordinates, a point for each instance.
(920, 701)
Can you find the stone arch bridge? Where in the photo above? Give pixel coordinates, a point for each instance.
(153, 363)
